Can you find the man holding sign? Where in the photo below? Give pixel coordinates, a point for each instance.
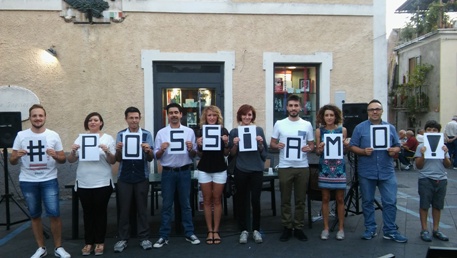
(39, 149)
(175, 148)
(133, 152)
(294, 138)
(375, 142)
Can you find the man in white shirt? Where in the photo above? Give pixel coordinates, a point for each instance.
(293, 174)
(176, 176)
(39, 149)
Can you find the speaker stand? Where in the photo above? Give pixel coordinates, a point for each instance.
(7, 197)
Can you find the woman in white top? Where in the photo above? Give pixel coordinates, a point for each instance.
(94, 183)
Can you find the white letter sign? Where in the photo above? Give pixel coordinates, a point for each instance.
(36, 150)
(380, 137)
(333, 148)
(177, 142)
(433, 143)
(132, 146)
(88, 150)
(292, 150)
(211, 137)
(247, 135)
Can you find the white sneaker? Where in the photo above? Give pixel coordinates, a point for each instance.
(324, 234)
(146, 244)
(244, 237)
(340, 235)
(193, 239)
(160, 243)
(60, 252)
(40, 252)
(257, 237)
(120, 246)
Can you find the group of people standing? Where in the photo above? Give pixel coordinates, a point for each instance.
(94, 183)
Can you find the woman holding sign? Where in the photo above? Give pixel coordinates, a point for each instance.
(332, 173)
(248, 169)
(212, 168)
(94, 183)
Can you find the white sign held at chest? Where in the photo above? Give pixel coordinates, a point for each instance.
(177, 142)
(132, 146)
(380, 137)
(212, 137)
(433, 143)
(247, 135)
(292, 148)
(89, 150)
(333, 148)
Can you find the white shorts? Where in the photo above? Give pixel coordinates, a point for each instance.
(218, 177)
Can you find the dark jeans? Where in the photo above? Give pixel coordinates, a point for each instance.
(404, 155)
(94, 202)
(452, 147)
(248, 184)
(139, 193)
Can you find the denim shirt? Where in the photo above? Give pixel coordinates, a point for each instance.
(379, 165)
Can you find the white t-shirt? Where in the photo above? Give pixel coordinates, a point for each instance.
(174, 160)
(286, 127)
(42, 172)
(95, 174)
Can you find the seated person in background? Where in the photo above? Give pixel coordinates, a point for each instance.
(402, 136)
(408, 149)
(420, 136)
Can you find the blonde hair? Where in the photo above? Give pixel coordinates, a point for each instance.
(214, 109)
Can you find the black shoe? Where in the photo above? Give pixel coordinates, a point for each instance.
(286, 234)
(298, 233)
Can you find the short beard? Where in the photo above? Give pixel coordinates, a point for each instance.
(291, 115)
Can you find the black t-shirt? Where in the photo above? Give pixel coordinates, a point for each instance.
(212, 161)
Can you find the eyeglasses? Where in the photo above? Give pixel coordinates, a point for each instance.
(374, 109)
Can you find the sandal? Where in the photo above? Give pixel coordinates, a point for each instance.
(438, 234)
(99, 249)
(425, 236)
(216, 240)
(87, 249)
(209, 240)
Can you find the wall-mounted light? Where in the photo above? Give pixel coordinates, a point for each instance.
(69, 15)
(52, 51)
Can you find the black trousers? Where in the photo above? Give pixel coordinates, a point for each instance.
(248, 184)
(95, 204)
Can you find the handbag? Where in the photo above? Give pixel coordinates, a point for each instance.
(230, 188)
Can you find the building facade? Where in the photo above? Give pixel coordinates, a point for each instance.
(148, 53)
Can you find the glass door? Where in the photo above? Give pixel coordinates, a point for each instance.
(191, 85)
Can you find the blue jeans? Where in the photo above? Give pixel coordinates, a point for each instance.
(37, 192)
(173, 181)
(388, 191)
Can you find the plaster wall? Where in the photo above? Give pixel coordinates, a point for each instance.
(99, 66)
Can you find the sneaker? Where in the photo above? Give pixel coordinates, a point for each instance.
(395, 236)
(120, 246)
(244, 237)
(454, 167)
(298, 233)
(257, 237)
(160, 243)
(60, 252)
(286, 234)
(324, 234)
(146, 244)
(438, 234)
(40, 252)
(340, 235)
(367, 235)
(193, 239)
(425, 236)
